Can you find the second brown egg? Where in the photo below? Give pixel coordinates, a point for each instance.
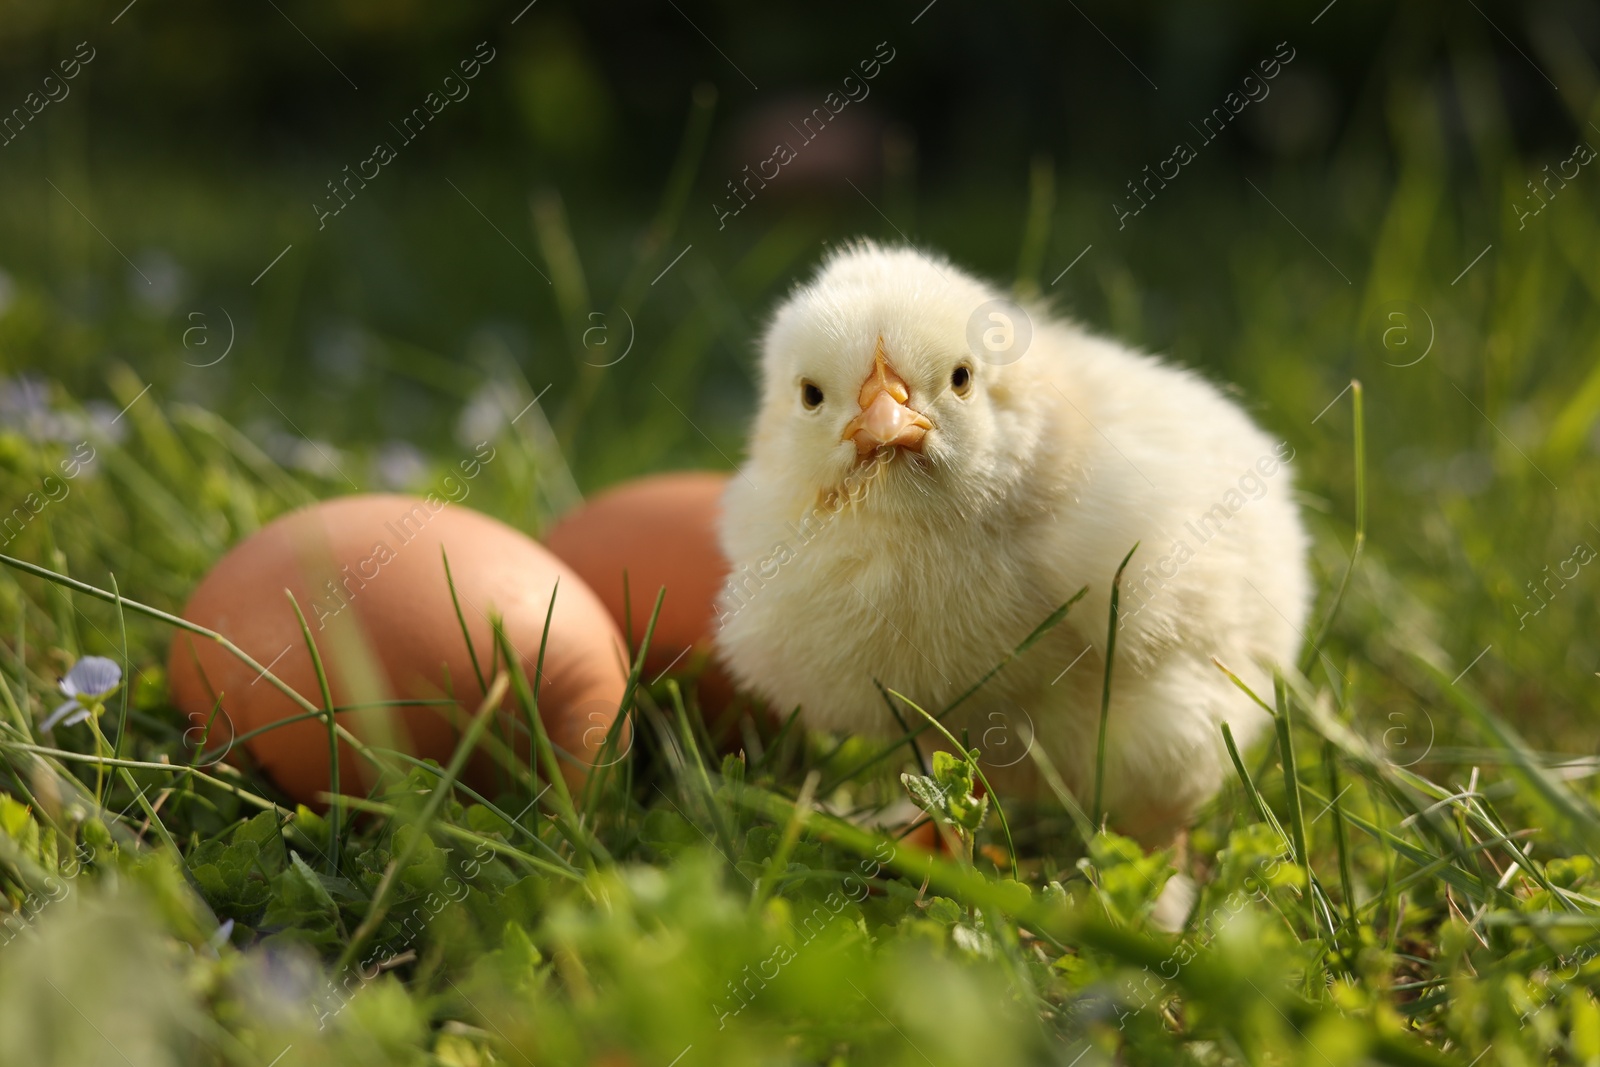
(662, 531)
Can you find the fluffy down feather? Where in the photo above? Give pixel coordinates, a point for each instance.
(921, 570)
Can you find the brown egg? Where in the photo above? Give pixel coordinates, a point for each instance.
(368, 574)
(662, 530)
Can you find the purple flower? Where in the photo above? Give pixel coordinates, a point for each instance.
(87, 684)
(25, 406)
(220, 938)
(400, 465)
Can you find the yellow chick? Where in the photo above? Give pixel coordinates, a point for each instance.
(933, 470)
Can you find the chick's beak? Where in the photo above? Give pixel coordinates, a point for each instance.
(886, 419)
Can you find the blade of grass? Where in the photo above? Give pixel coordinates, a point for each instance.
(172, 768)
(1250, 790)
(150, 813)
(1453, 873)
(783, 734)
(246, 451)
(173, 620)
(65, 611)
(205, 735)
(778, 862)
(1243, 687)
(905, 728)
(1487, 817)
(1400, 785)
(458, 759)
(21, 646)
(1034, 637)
(588, 847)
(461, 621)
(1028, 642)
(706, 790)
(1341, 836)
(334, 813)
(479, 798)
(600, 770)
(627, 616)
(461, 833)
(127, 668)
(18, 717)
(1105, 690)
(1058, 786)
(1291, 774)
(320, 714)
(1036, 230)
(1570, 805)
(1433, 869)
(1359, 418)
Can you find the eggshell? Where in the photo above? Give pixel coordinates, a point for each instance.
(661, 530)
(368, 574)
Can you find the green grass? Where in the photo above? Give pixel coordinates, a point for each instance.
(1404, 874)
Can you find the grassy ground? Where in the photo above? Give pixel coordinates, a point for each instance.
(1404, 875)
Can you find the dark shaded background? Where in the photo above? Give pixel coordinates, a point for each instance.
(198, 138)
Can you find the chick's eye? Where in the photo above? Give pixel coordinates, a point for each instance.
(810, 395)
(961, 379)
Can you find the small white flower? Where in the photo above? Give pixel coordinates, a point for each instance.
(486, 413)
(159, 281)
(87, 684)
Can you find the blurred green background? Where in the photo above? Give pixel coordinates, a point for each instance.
(165, 205)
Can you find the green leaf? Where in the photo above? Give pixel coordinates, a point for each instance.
(926, 793)
(1129, 880)
(14, 816)
(427, 868)
(302, 906)
(485, 821)
(263, 832)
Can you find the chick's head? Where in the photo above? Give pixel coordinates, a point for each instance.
(870, 362)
